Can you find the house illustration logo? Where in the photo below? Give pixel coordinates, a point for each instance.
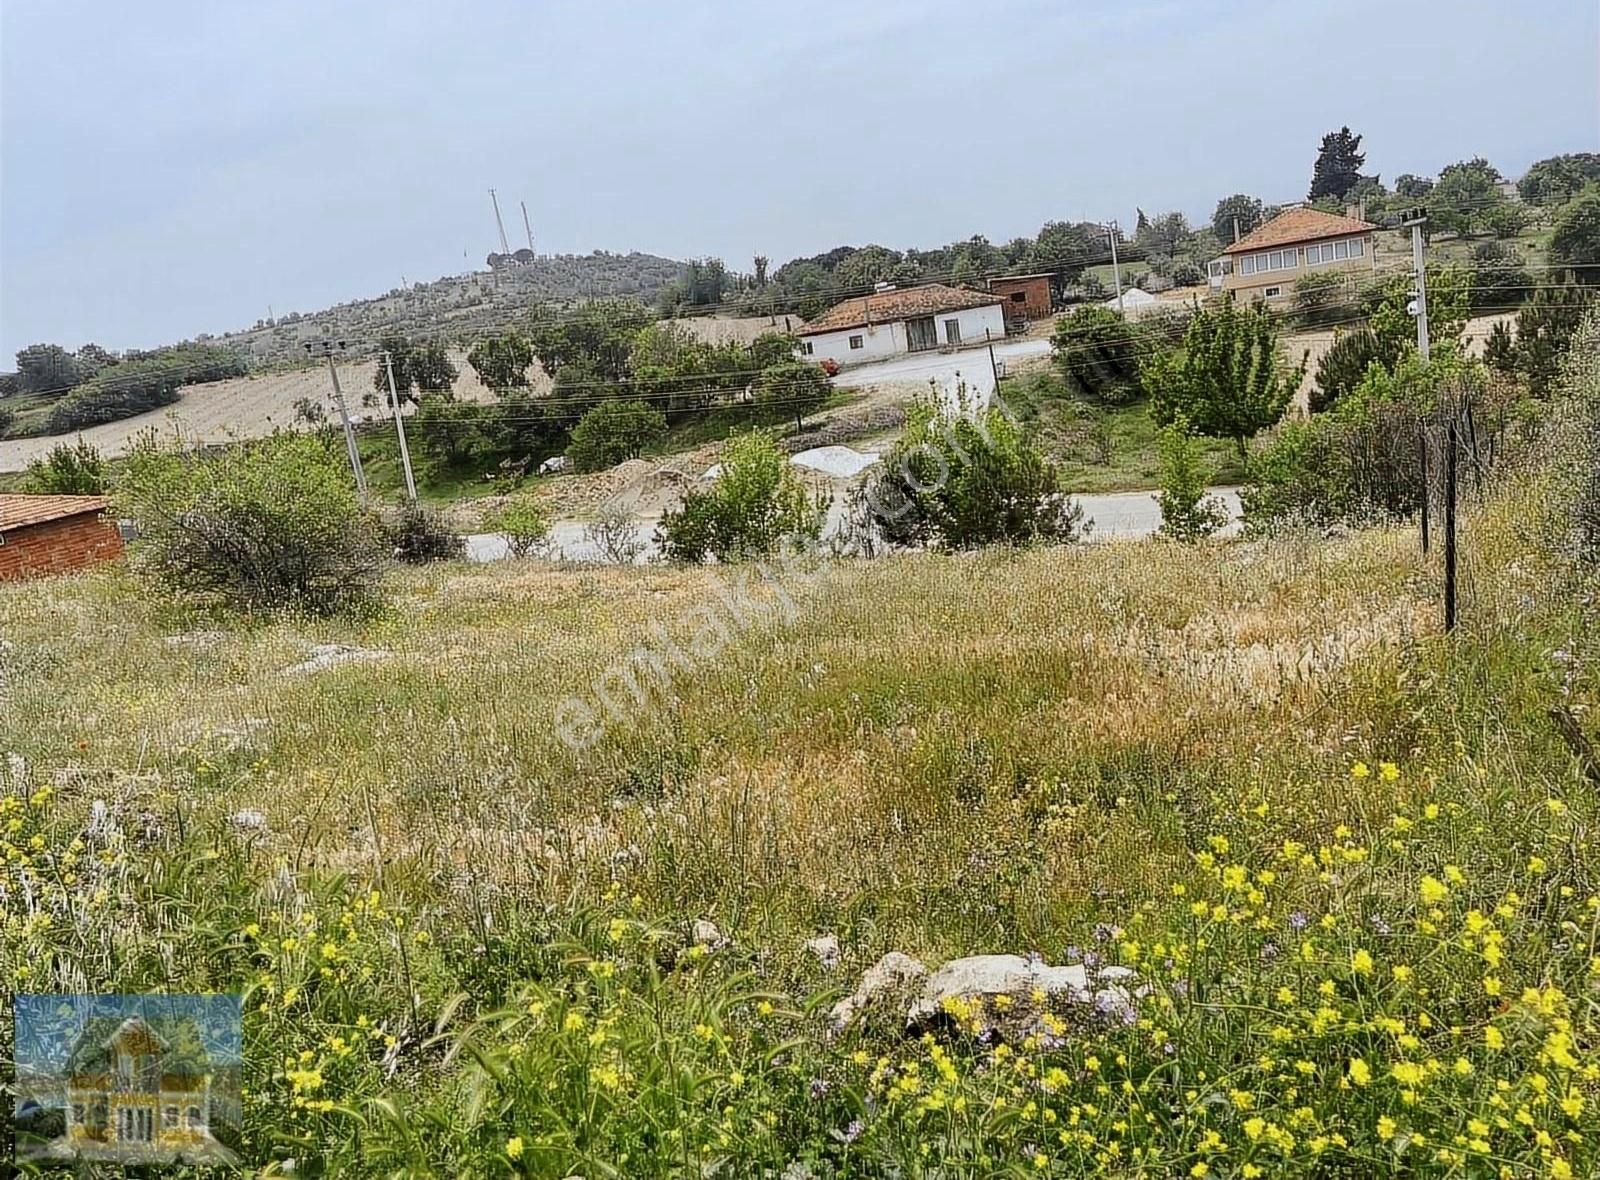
(144, 1079)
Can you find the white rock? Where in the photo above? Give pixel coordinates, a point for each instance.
(891, 975)
(826, 948)
(249, 820)
(332, 655)
(707, 934)
(987, 976)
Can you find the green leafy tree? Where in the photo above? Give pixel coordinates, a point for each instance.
(757, 506)
(960, 480)
(8, 418)
(76, 469)
(772, 348)
(269, 524)
(867, 266)
(1187, 513)
(1558, 179)
(1575, 242)
(1061, 247)
(760, 264)
(792, 387)
(448, 430)
(1499, 280)
(1343, 367)
(46, 368)
(1449, 305)
(1412, 187)
(1463, 194)
(91, 358)
(599, 333)
(1242, 210)
(416, 366)
(1097, 352)
(1228, 380)
(502, 361)
(1500, 350)
(146, 382)
(1338, 165)
(614, 431)
(1318, 298)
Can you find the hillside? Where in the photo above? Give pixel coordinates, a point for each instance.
(459, 307)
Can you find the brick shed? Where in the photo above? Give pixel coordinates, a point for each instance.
(1027, 297)
(44, 535)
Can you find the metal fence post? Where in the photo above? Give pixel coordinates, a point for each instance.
(1450, 526)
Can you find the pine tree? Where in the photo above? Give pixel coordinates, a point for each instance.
(1338, 165)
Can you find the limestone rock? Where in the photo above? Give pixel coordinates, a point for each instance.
(893, 976)
(826, 948)
(706, 933)
(984, 977)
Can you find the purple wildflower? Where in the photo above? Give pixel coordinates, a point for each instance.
(1298, 920)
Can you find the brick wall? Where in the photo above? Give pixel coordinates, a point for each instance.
(58, 546)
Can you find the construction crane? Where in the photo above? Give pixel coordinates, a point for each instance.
(526, 225)
(505, 246)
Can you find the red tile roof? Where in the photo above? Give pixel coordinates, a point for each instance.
(20, 511)
(902, 303)
(1304, 224)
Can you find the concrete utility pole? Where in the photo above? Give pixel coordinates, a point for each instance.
(505, 246)
(327, 348)
(400, 428)
(1419, 270)
(1116, 270)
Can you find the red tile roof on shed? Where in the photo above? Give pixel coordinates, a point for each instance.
(903, 303)
(21, 511)
(1304, 224)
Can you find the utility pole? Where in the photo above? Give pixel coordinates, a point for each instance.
(1420, 275)
(994, 366)
(326, 349)
(400, 428)
(505, 246)
(1116, 269)
(527, 225)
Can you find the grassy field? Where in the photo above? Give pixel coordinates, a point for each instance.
(1349, 860)
(1102, 448)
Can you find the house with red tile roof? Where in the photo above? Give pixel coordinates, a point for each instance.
(44, 535)
(897, 320)
(1267, 261)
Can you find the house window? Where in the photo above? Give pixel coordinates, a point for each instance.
(807, 346)
(196, 1123)
(855, 342)
(1019, 297)
(169, 1118)
(1247, 265)
(1356, 248)
(1340, 250)
(952, 331)
(1272, 292)
(77, 1112)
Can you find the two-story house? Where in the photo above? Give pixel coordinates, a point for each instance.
(1265, 263)
(137, 1088)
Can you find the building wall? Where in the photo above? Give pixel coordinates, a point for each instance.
(975, 322)
(877, 342)
(58, 546)
(1034, 303)
(1254, 286)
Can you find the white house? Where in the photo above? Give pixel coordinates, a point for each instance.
(897, 320)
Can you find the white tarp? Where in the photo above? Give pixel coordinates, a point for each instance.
(842, 462)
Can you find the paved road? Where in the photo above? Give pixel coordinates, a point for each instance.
(1116, 516)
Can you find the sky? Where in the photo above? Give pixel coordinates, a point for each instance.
(174, 167)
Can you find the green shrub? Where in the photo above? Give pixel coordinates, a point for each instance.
(1187, 513)
(421, 535)
(614, 431)
(757, 506)
(450, 431)
(1097, 352)
(1545, 328)
(959, 481)
(261, 525)
(1317, 298)
(524, 525)
(772, 348)
(146, 383)
(8, 418)
(68, 470)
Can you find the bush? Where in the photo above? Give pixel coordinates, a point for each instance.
(263, 525)
(959, 481)
(1575, 241)
(614, 536)
(76, 470)
(135, 386)
(1499, 281)
(793, 387)
(772, 348)
(450, 431)
(1097, 352)
(421, 535)
(524, 525)
(1187, 513)
(614, 431)
(757, 506)
(8, 418)
(1545, 328)
(1317, 298)
(1343, 367)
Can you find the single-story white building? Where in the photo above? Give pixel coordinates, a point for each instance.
(898, 320)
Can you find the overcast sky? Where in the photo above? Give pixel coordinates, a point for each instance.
(170, 167)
